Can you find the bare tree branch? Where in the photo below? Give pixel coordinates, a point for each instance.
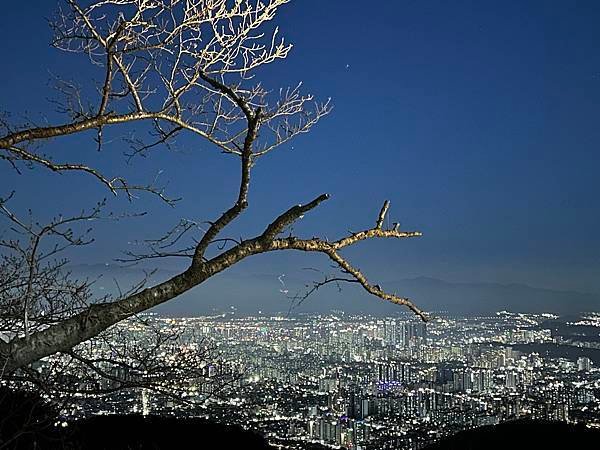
(170, 68)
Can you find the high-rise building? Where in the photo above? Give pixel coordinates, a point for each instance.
(511, 379)
(584, 364)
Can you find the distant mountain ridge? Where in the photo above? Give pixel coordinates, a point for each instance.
(436, 294)
(250, 292)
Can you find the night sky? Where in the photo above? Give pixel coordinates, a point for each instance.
(479, 120)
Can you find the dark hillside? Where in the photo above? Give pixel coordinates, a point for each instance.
(27, 422)
(523, 435)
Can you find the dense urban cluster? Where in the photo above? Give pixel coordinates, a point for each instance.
(365, 382)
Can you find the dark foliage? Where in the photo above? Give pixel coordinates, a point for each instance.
(27, 422)
(138, 432)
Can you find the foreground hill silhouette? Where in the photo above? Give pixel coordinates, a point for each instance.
(27, 422)
(522, 435)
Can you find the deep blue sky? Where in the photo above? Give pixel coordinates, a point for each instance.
(479, 120)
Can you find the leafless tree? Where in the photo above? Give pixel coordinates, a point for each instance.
(36, 291)
(178, 66)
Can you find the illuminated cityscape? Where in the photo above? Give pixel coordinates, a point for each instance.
(187, 187)
(365, 382)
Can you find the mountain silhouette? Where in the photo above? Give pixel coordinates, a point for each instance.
(248, 293)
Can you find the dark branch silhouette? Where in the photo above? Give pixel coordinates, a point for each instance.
(181, 67)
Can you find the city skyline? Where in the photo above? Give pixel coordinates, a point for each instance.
(364, 382)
